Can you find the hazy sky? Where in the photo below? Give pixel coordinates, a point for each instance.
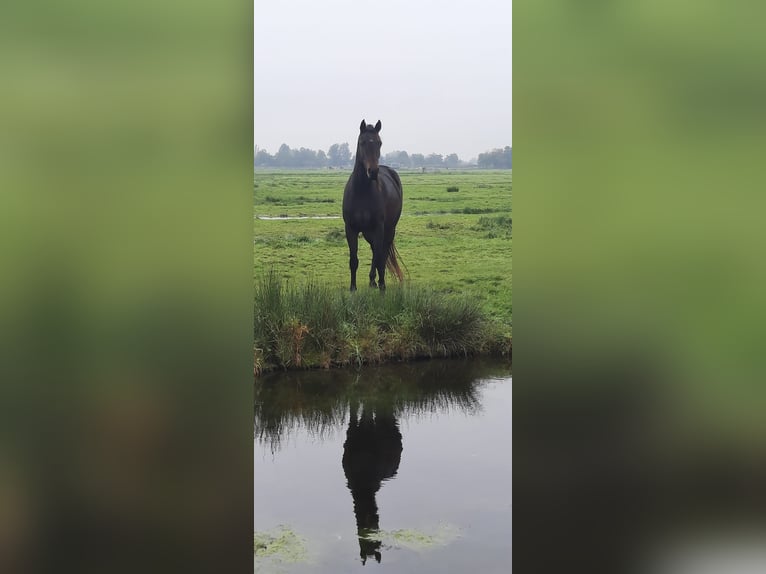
(436, 73)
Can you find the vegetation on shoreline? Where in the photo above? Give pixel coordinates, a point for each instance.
(457, 247)
(310, 325)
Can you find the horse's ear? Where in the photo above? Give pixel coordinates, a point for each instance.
(377, 127)
(362, 126)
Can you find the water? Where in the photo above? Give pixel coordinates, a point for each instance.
(404, 468)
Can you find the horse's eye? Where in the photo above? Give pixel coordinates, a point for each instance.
(380, 144)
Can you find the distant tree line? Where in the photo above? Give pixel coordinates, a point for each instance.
(496, 159)
(339, 156)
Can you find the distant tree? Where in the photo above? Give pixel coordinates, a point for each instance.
(339, 155)
(263, 158)
(332, 154)
(283, 157)
(452, 160)
(397, 158)
(305, 157)
(417, 159)
(345, 154)
(434, 159)
(496, 159)
(321, 158)
(403, 159)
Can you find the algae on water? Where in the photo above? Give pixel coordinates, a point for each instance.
(417, 540)
(281, 544)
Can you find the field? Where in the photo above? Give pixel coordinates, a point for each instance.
(456, 241)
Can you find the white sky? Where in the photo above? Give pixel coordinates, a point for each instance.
(436, 73)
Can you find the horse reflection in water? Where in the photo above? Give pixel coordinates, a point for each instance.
(371, 455)
(317, 400)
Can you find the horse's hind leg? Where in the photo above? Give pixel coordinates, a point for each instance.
(388, 240)
(352, 238)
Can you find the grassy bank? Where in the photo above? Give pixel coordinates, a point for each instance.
(305, 325)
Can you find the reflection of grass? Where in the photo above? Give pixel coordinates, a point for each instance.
(319, 400)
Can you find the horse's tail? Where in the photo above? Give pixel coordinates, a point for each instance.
(392, 265)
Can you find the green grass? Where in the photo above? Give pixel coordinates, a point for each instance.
(321, 192)
(452, 243)
(309, 324)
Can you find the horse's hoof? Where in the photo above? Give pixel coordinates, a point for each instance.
(353, 288)
(373, 284)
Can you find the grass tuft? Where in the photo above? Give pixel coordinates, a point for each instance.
(500, 226)
(313, 326)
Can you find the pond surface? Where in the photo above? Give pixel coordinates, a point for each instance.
(399, 468)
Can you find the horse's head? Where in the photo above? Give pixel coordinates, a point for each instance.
(368, 148)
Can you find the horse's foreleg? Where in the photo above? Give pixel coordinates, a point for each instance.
(352, 237)
(379, 255)
(373, 238)
(372, 271)
(372, 265)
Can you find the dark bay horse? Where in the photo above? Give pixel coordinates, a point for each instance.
(372, 204)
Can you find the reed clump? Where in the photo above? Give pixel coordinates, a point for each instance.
(315, 326)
